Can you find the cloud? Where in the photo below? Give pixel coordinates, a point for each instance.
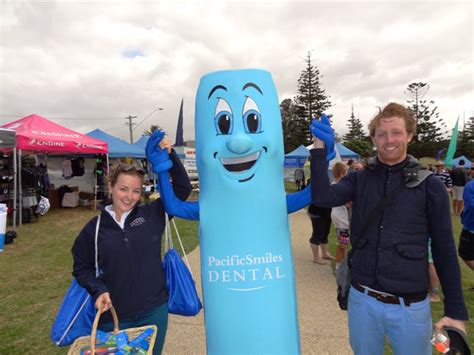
(89, 65)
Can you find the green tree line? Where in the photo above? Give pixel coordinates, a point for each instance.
(311, 101)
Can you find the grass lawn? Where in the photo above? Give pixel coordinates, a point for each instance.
(35, 273)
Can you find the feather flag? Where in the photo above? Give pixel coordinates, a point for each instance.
(179, 129)
(440, 154)
(452, 146)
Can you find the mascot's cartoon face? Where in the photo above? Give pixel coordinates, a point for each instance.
(238, 126)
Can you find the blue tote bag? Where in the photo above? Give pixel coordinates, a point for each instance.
(77, 312)
(75, 316)
(183, 299)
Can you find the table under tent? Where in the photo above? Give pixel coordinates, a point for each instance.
(37, 135)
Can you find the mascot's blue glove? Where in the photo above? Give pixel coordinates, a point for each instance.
(159, 158)
(323, 130)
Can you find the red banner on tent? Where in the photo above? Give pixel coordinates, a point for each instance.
(35, 133)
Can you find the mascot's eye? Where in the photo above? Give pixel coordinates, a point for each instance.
(224, 123)
(223, 117)
(252, 121)
(251, 116)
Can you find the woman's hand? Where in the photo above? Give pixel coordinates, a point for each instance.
(165, 143)
(157, 154)
(103, 301)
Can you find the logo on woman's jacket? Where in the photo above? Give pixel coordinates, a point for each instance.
(137, 221)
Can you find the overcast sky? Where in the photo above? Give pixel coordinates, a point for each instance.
(90, 64)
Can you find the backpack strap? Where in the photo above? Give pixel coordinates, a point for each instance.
(416, 178)
(377, 212)
(96, 245)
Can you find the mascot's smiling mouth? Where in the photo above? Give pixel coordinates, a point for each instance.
(240, 164)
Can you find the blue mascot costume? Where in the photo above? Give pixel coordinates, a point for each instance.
(247, 269)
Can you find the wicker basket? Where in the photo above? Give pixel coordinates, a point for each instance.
(81, 342)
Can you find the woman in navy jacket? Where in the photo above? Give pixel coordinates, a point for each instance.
(131, 275)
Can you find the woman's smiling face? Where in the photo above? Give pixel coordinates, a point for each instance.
(126, 192)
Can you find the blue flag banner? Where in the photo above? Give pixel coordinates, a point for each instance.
(179, 129)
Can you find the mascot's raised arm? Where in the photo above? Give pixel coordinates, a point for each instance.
(247, 267)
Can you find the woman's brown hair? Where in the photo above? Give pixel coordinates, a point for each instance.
(127, 169)
(339, 170)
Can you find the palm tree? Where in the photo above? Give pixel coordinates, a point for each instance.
(152, 129)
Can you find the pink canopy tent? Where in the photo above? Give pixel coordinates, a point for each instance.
(36, 134)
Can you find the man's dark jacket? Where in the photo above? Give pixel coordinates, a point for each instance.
(130, 259)
(392, 256)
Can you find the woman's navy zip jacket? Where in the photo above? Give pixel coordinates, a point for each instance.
(130, 262)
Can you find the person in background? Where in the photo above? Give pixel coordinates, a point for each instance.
(466, 240)
(349, 163)
(129, 247)
(388, 296)
(299, 177)
(443, 176)
(434, 279)
(357, 166)
(459, 177)
(340, 217)
(321, 223)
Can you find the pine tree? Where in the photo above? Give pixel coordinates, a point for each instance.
(294, 130)
(466, 139)
(430, 128)
(356, 130)
(429, 125)
(311, 99)
(356, 139)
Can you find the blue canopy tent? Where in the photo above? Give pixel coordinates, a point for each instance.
(118, 148)
(178, 149)
(346, 153)
(189, 163)
(297, 157)
(142, 142)
(467, 162)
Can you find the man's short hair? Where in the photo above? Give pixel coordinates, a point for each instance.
(394, 109)
(461, 162)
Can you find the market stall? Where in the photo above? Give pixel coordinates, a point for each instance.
(8, 171)
(37, 135)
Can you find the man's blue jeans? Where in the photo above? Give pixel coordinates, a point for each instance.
(407, 328)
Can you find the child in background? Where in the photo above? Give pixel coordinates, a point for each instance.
(340, 216)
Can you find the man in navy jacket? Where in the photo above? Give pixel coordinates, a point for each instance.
(389, 265)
